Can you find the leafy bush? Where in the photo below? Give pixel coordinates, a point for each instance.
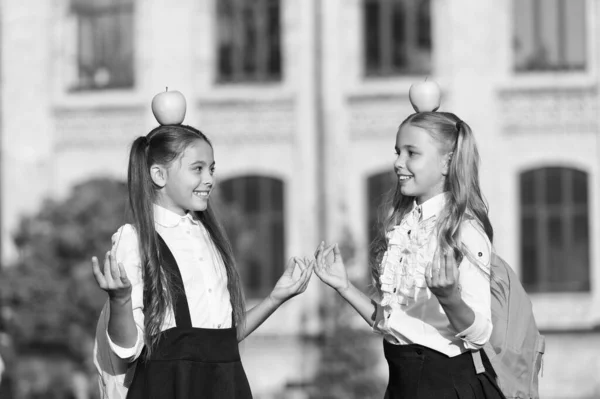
(51, 291)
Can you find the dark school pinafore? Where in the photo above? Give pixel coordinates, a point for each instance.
(190, 362)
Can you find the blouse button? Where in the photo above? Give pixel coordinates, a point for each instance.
(480, 254)
(394, 290)
(409, 232)
(388, 316)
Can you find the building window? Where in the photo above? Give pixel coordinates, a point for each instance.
(104, 44)
(249, 41)
(555, 230)
(397, 37)
(550, 35)
(378, 186)
(253, 214)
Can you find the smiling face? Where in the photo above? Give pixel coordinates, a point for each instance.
(188, 180)
(421, 165)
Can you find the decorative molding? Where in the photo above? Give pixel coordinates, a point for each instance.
(549, 110)
(377, 116)
(97, 126)
(247, 121)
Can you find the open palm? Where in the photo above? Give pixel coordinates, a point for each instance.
(442, 275)
(113, 279)
(331, 273)
(291, 284)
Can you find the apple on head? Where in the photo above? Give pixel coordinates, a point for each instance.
(425, 96)
(169, 107)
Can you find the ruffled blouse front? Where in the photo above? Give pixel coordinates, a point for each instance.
(404, 263)
(409, 312)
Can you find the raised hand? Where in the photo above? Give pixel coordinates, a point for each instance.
(291, 284)
(114, 279)
(442, 277)
(333, 274)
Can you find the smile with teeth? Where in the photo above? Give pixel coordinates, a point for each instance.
(202, 194)
(404, 177)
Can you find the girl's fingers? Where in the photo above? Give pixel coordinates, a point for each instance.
(296, 284)
(310, 262)
(319, 254)
(305, 279)
(301, 264)
(123, 274)
(318, 271)
(451, 266)
(435, 274)
(319, 248)
(428, 275)
(114, 268)
(328, 250)
(441, 268)
(304, 285)
(337, 255)
(97, 272)
(289, 267)
(324, 254)
(107, 273)
(302, 280)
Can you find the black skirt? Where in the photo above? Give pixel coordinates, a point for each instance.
(190, 362)
(417, 372)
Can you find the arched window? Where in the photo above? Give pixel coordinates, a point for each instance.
(252, 210)
(555, 230)
(378, 186)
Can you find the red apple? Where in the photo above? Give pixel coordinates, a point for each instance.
(425, 96)
(169, 107)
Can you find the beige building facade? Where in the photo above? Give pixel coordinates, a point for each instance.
(303, 98)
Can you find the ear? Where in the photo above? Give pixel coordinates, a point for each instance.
(158, 173)
(446, 163)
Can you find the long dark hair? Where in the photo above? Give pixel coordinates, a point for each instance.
(162, 146)
(462, 184)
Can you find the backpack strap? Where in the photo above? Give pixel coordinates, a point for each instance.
(477, 362)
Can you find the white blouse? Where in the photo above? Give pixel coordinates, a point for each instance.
(409, 312)
(202, 271)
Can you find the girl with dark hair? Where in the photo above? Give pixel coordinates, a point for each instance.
(175, 297)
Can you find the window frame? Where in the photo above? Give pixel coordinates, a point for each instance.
(268, 49)
(385, 65)
(542, 212)
(264, 216)
(90, 14)
(537, 36)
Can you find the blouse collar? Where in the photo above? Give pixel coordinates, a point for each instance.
(170, 219)
(433, 206)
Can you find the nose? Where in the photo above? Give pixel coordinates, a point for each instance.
(209, 180)
(399, 163)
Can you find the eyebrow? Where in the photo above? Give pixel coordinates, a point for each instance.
(408, 146)
(201, 163)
